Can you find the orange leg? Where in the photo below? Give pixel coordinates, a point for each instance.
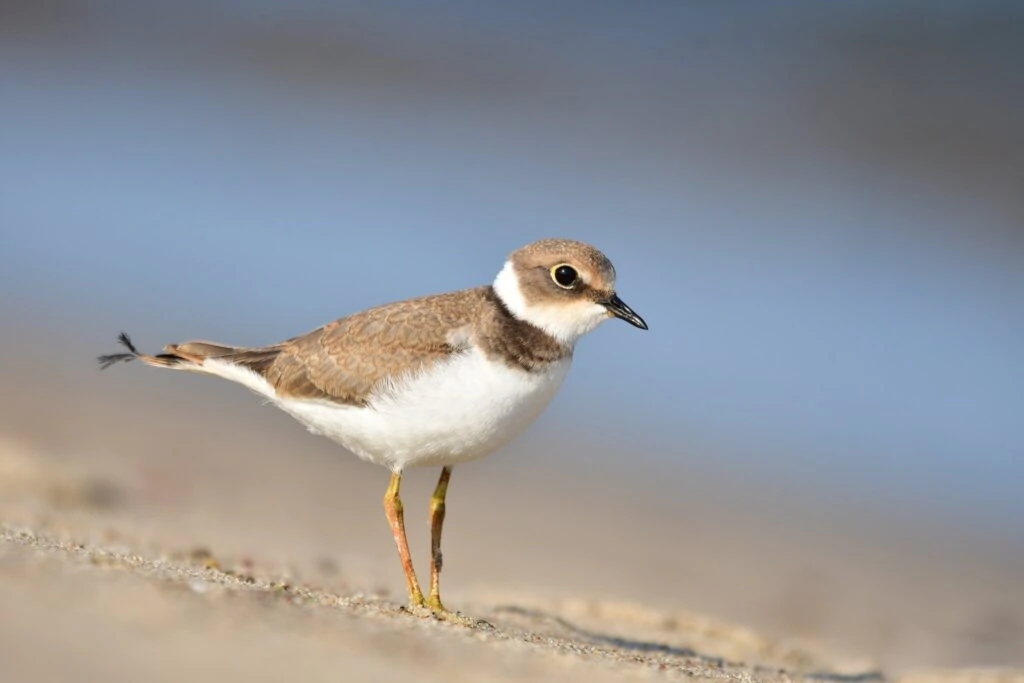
(393, 511)
(436, 523)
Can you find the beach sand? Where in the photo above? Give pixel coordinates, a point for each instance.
(163, 530)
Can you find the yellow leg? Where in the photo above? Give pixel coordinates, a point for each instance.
(436, 523)
(396, 518)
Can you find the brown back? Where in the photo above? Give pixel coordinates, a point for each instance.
(345, 360)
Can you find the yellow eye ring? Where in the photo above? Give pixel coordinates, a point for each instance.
(564, 275)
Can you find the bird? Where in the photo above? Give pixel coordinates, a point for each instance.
(437, 380)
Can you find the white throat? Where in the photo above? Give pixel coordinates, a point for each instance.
(565, 322)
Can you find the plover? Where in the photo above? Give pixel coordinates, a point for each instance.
(433, 381)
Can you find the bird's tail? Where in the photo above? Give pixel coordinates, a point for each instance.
(190, 355)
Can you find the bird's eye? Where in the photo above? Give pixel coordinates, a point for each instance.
(565, 276)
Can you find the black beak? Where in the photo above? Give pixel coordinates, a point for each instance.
(619, 309)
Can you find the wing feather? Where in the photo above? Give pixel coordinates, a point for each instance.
(345, 361)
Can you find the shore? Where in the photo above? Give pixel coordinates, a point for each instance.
(166, 532)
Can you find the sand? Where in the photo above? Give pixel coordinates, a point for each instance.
(80, 596)
(181, 531)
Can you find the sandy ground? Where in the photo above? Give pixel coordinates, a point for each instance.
(80, 596)
(118, 612)
(161, 530)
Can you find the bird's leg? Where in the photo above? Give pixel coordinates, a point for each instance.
(436, 523)
(396, 518)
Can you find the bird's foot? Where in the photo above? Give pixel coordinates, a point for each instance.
(419, 609)
(434, 602)
(432, 608)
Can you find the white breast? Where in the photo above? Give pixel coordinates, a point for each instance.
(460, 410)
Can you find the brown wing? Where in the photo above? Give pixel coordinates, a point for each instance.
(345, 360)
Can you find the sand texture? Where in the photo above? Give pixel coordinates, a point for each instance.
(184, 533)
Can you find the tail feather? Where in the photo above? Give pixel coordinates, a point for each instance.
(257, 360)
(109, 359)
(162, 360)
(190, 355)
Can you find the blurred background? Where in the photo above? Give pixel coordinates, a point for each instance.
(816, 207)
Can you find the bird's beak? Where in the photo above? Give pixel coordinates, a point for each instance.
(619, 309)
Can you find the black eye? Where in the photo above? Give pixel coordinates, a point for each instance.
(564, 275)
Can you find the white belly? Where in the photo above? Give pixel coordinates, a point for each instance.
(461, 410)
